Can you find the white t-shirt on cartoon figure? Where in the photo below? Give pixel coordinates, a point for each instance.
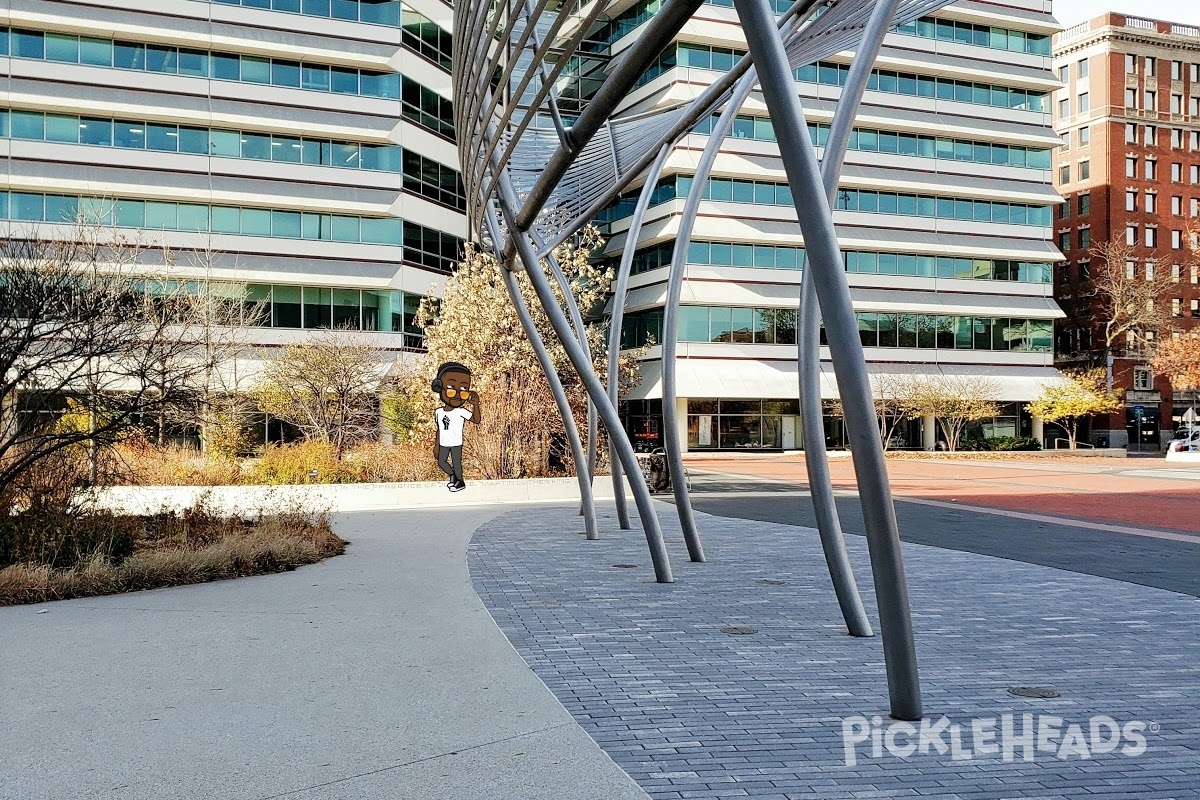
(450, 425)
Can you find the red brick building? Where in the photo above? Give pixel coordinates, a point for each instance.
(1129, 167)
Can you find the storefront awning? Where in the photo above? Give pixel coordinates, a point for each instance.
(748, 379)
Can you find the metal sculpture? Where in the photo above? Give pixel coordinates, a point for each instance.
(533, 180)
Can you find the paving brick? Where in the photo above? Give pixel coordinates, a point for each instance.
(690, 712)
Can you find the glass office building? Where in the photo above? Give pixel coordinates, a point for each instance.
(295, 153)
(944, 215)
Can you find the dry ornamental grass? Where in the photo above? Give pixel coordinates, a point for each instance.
(56, 563)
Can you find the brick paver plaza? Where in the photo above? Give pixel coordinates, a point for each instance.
(692, 712)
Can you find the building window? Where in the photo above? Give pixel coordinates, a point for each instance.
(1064, 209)
(1194, 174)
(1151, 63)
(1177, 206)
(1151, 202)
(1085, 203)
(1131, 199)
(1085, 170)
(1151, 102)
(1084, 103)
(1177, 173)
(1194, 207)
(1176, 104)
(1194, 274)
(1130, 64)
(1151, 241)
(1195, 309)
(1194, 106)
(1194, 140)
(1131, 235)
(1149, 271)
(1176, 70)
(1066, 140)
(1151, 170)
(1131, 99)
(1176, 244)
(1130, 133)
(1176, 306)
(1176, 273)
(1143, 379)
(1085, 238)
(1064, 108)
(1064, 241)
(1082, 69)
(1064, 73)
(1151, 138)
(1085, 136)
(1177, 138)
(1064, 174)
(1131, 166)
(1194, 72)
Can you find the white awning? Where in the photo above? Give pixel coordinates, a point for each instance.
(748, 379)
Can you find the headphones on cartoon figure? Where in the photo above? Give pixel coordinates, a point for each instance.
(449, 366)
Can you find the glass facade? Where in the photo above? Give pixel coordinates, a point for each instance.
(424, 246)
(882, 80)
(873, 140)
(422, 176)
(949, 30)
(290, 306)
(767, 256)
(738, 424)
(376, 12)
(216, 65)
(726, 324)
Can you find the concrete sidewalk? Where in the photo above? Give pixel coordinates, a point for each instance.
(346, 497)
(376, 674)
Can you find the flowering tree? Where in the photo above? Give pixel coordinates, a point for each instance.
(475, 324)
(1082, 395)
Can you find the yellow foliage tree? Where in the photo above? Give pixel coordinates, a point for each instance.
(475, 324)
(1083, 394)
(1179, 360)
(954, 400)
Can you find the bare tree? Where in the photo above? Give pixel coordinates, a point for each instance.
(1130, 296)
(954, 400)
(893, 403)
(79, 332)
(328, 387)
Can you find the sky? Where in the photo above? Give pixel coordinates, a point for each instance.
(1068, 12)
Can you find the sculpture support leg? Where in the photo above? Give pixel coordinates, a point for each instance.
(617, 318)
(608, 412)
(589, 466)
(809, 319)
(586, 499)
(833, 543)
(832, 289)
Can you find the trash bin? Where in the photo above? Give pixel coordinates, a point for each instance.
(655, 469)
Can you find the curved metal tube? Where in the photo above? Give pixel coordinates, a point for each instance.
(607, 411)
(833, 543)
(832, 289)
(808, 341)
(586, 499)
(617, 318)
(588, 466)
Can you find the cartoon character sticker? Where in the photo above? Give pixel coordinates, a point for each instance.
(453, 386)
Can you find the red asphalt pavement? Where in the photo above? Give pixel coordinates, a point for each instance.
(1093, 489)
